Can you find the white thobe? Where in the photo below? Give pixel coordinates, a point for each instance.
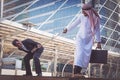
(84, 40)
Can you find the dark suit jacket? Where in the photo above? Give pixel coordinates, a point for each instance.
(29, 44)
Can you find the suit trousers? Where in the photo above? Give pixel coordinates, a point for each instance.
(36, 55)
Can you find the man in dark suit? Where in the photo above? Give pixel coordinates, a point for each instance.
(34, 50)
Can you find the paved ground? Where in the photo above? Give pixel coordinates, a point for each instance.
(12, 77)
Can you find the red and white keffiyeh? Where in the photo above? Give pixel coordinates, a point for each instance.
(92, 14)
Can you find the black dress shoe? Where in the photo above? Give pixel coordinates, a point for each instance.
(77, 69)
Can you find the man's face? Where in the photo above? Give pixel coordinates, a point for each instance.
(18, 44)
(85, 14)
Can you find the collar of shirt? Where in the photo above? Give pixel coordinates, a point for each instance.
(23, 47)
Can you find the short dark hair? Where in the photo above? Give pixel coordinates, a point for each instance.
(14, 42)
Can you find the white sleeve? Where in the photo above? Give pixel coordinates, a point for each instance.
(97, 32)
(74, 24)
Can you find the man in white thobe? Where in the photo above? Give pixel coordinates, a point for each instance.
(89, 27)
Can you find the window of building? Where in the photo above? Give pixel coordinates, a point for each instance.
(118, 45)
(103, 20)
(111, 24)
(105, 12)
(115, 17)
(115, 35)
(109, 4)
(118, 10)
(106, 32)
(102, 2)
(116, 1)
(110, 42)
(118, 28)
